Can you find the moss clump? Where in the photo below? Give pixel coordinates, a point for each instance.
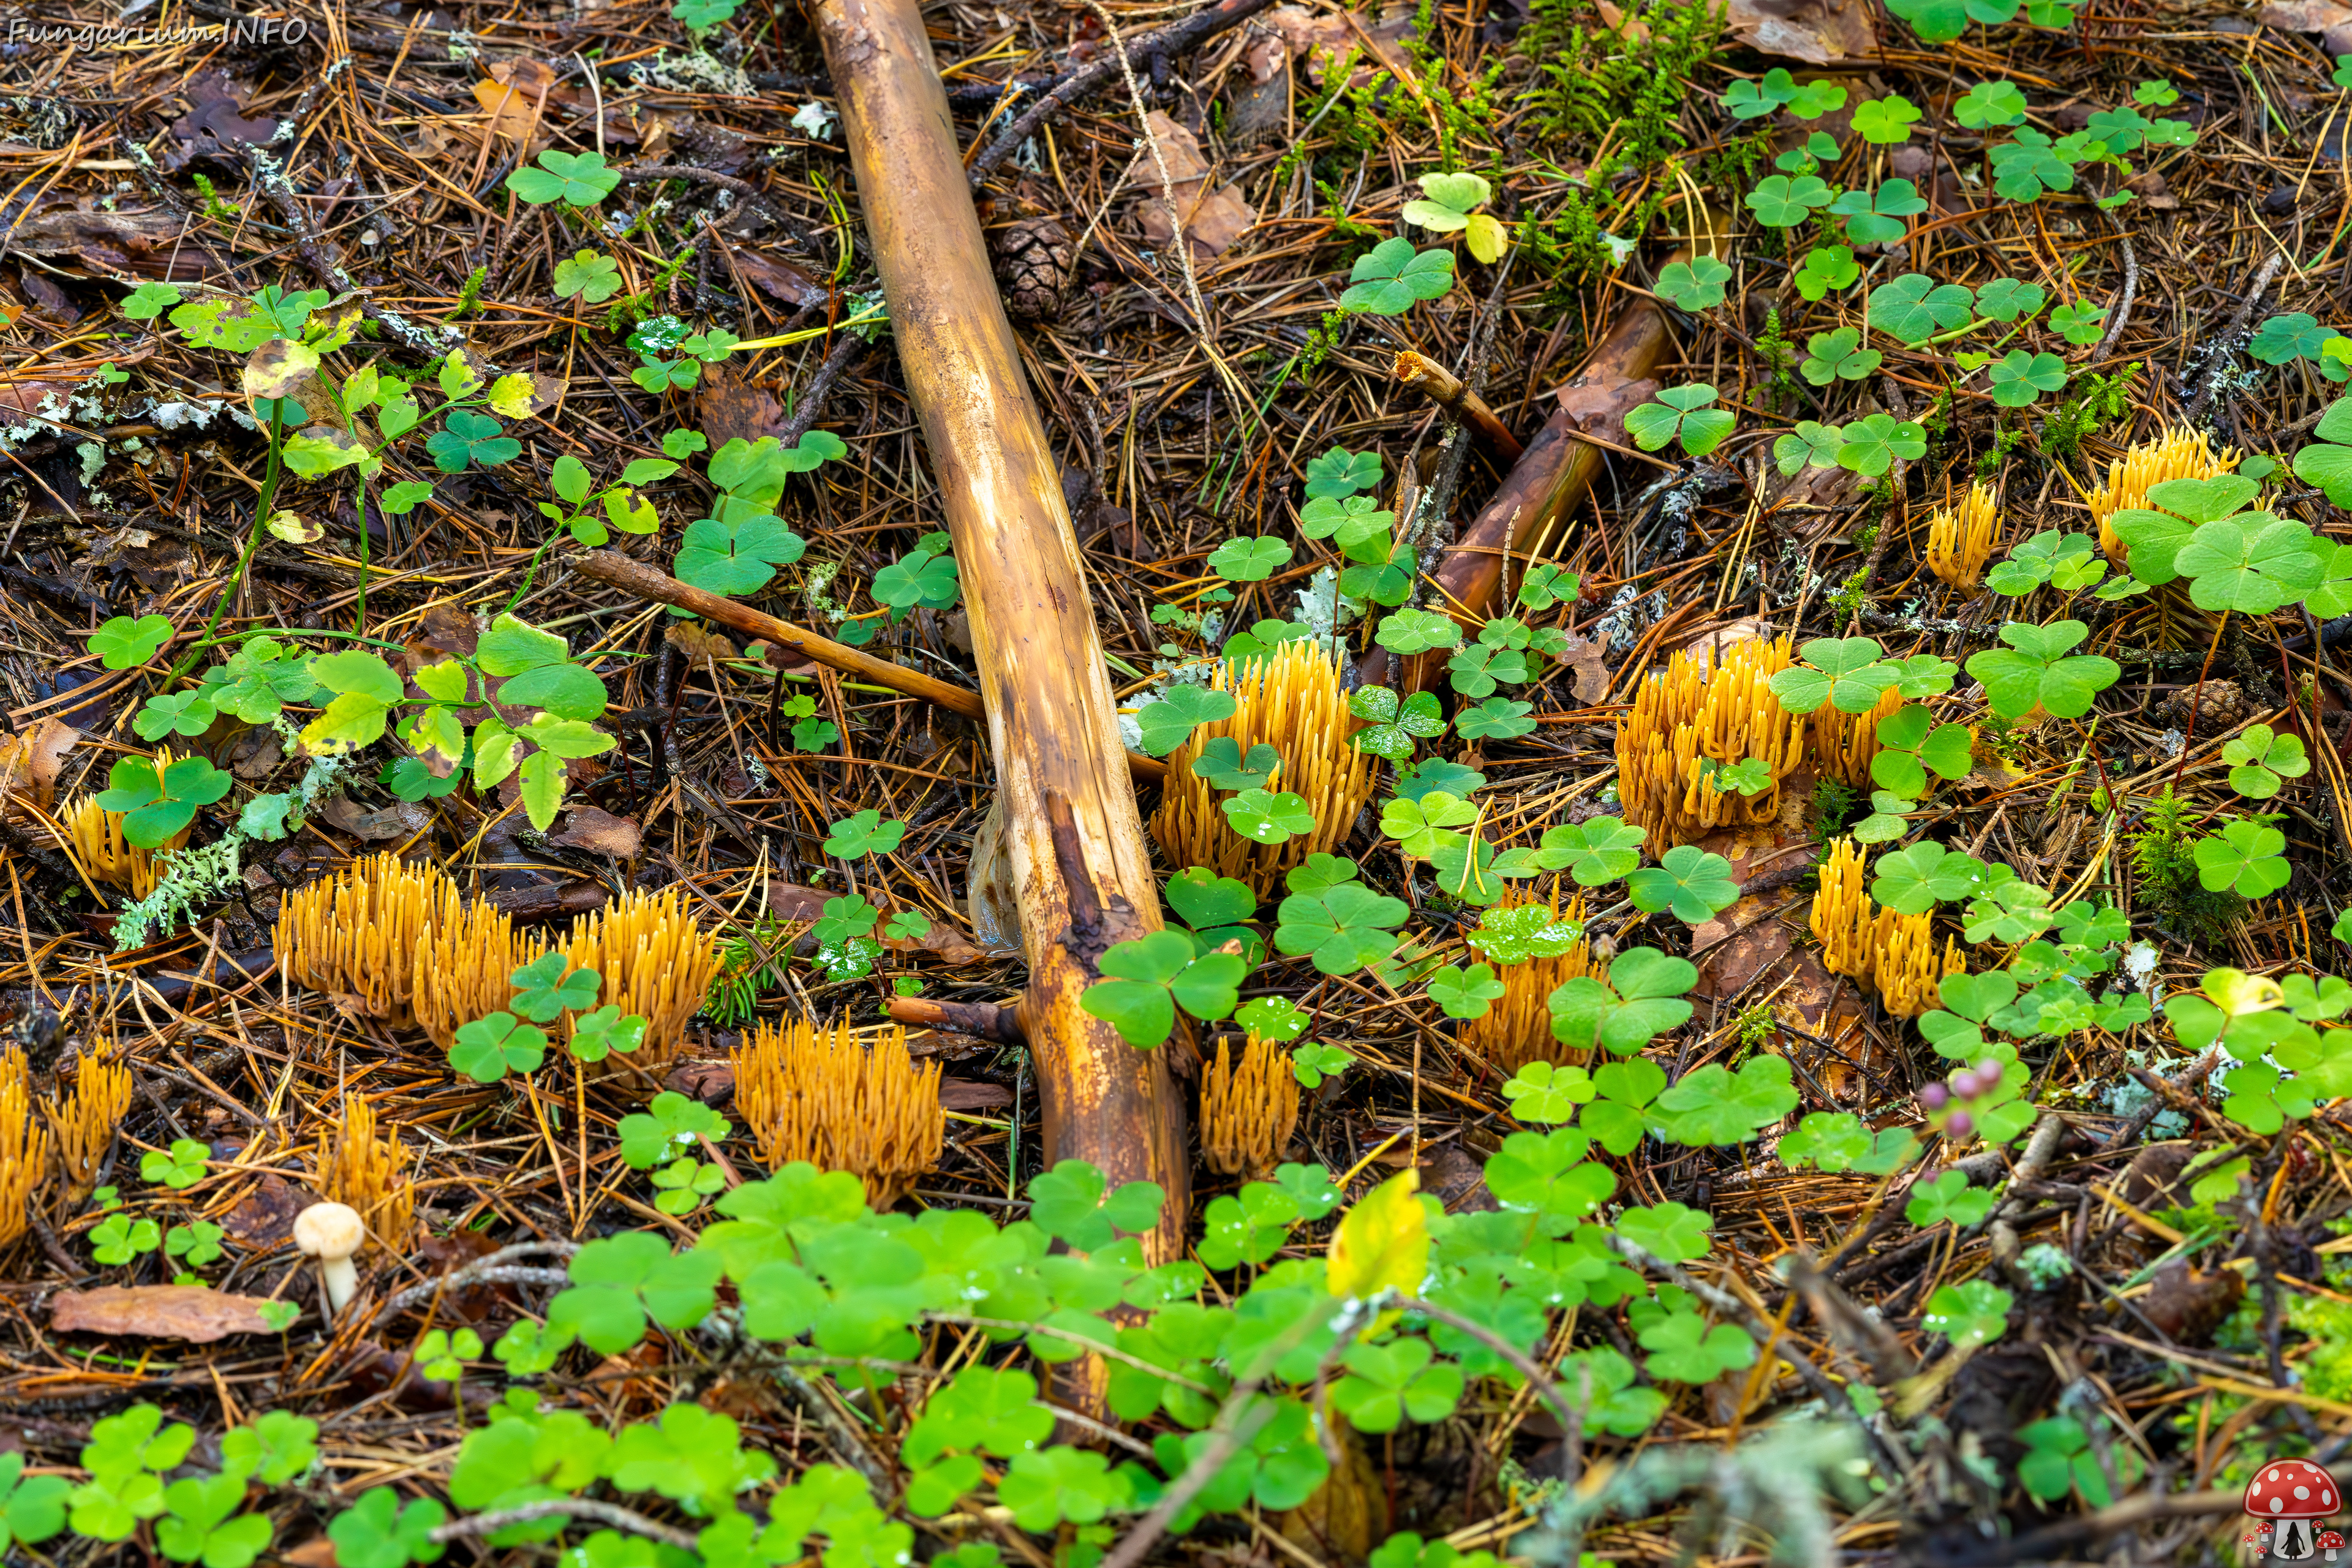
(2163, 855)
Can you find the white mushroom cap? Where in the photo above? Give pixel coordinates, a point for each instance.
(331, 1231)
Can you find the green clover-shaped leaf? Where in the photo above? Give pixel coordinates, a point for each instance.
(2263, 760)
(2019, 378)
(468, 438)
(490, 1047)
(1681, 412)
(1339, 472)
(1913, 308)
(1885, 121)
(864, 833)
(547, 987)
(1838, 355)
(2245, 858)
(1392, 277)
(1972, 1314)
(1169, 723)
(122, 642)
(1264, 817)
(1871, 445)
(1695, 285)
(575, 179)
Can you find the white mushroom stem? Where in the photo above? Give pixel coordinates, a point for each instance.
(332, 1233)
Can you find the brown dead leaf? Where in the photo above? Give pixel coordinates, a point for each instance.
(1712, 643)
(1818, 32)
(548, 902)
(943, 941)
(1212, 219)
(142, 242)
(1220, 219)
(397, 821)
(263, 1220)
(513, 106)
(1741, 944)
(213, 127)
(449, 630)
(710, 1082)
(30, 761)
(731, 407)
(28, 396)
(197, 1313)
(600, 833)
(697, 642)
(255, 754)
(2153, 193)
(318, 1552)
(779, 279)
(2187, 1306)
(1584, 655)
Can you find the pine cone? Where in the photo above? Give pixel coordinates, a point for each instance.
(1033, 264)
(2219, 710)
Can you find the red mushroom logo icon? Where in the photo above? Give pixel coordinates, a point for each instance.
(2288, 1495)
(2330, 1543)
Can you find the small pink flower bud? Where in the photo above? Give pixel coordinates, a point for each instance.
(1960, 1125)
(1934, 1096)
(1965, 1085)
(1989, 1075)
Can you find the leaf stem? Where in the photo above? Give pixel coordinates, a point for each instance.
(266, 499)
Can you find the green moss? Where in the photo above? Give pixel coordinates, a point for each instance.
(2162, 856)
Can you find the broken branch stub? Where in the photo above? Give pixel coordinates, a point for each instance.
(1052, 720)
(1556, 469)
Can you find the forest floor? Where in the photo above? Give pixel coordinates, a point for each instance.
(331, 346)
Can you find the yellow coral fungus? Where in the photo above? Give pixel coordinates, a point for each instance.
(1844, 742)
(655, 963)
(86, 1123)
(1293, 701)
(462, 971)
(1841, 922)
(360, 933)
(1516, 1029)
(1960, 538)
(816, 1094)
(23, 1146)
(1893, 953)
(1905, 966)
(1692, 713)
(2176, 455)
(1247, 1110)
(369, 1176)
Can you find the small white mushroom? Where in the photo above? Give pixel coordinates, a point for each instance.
(331, 1233)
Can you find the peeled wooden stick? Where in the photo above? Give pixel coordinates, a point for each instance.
(1551, 476)
(1451, 392)
(619, 571)
(1071, 829)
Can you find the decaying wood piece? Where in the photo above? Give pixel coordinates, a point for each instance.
(1074, 835)
(1550, 476)
(610, 567)
(1451, 392)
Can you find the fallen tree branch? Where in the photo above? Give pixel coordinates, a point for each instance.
(1449, 392)
(633, 576)
(1052, 718)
